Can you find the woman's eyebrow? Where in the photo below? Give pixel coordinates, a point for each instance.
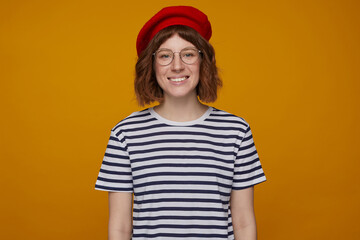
(190, 47)
(164, 49)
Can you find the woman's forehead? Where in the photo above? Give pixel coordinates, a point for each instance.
(176, 43)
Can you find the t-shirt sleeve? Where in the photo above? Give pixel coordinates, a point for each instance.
(247, 171)
(115, 172)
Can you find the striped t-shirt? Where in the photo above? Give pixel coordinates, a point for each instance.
(181, 173)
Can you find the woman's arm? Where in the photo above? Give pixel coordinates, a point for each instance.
(120, 215)
(242, 212)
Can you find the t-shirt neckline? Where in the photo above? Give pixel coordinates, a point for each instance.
(187, 123)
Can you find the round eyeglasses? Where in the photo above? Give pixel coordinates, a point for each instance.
(166, 56)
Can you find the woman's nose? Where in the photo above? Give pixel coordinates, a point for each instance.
(177, 64)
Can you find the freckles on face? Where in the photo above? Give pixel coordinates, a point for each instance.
(178, 79)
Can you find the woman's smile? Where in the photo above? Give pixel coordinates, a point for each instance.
(178, 79)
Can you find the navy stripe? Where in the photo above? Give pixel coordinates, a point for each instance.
(112, 138)
(181, 149)
(145, 114)
(246, 155)
(190, 226)
(119, 132)
(135, 122)
(182, 182)
(179, 165)
(176, 133)
(113, 188)
(124, 165)
(142, 113)
(181, 235)
(220, 128)
(115, 156)
(144, 159)
(225, 121)
(207, 200)
(114, 180)
(206, 218)
(218, 144)
(246, 147)
(115, 172)
(181, 209)
(237, 165)
(248, 171)
(154, 126)
(109, 146)
(182, 174)
(248, 138)
(183, 191)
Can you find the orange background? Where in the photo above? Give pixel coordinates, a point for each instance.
(290, 68)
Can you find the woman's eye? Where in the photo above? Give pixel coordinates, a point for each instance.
(164, 56)
(188, 54)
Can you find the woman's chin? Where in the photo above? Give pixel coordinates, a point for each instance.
(181, 95)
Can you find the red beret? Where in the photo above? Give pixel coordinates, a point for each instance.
(169, 16)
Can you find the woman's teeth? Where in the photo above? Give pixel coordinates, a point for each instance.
(178, 79)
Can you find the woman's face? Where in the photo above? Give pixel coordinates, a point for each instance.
(178, 80)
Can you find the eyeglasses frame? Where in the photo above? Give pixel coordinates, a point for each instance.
(199, 52)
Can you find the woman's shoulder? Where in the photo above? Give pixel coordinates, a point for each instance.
(225, 116)
(133, 118)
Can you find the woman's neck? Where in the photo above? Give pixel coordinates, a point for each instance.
(181, 110)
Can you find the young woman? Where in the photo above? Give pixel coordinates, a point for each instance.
(190, 167)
